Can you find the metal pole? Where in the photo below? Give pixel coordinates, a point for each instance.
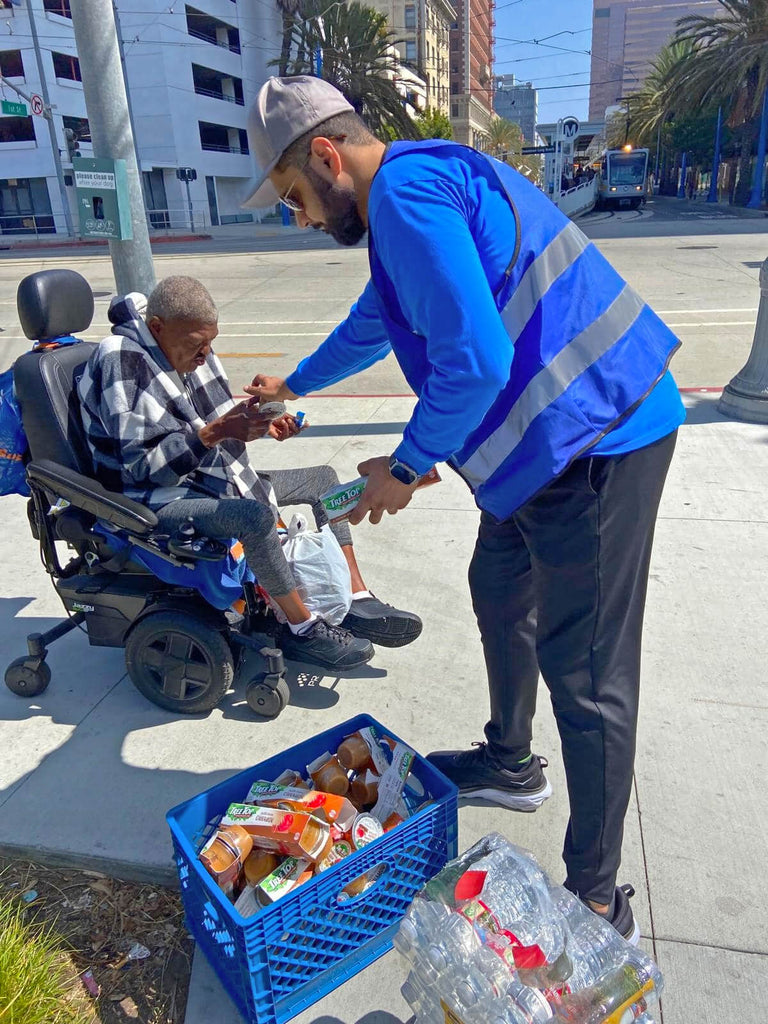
(189, 204)
(121, 48)
(49, 118)
(756, 198)
(746, 396)
(107, 107)
(712, 197)
(683, 169)
(658, 148)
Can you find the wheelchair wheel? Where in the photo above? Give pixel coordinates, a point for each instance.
(179, 662)
(266, 700)
(25, 681)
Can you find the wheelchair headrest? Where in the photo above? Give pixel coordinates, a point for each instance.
(52, 303)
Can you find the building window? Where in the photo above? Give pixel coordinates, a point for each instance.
(218, 138)
(60, 7)
(25, 206)
(410, 16)
(603, 12)
(220, 86)
(455, 43)
(205, 26)
(11, 64)
(80, 126)
(454, 89)
(410, 50)
(454, 110)
(17, 129)
(66, 67)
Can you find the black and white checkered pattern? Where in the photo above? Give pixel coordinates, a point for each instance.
(142, 421)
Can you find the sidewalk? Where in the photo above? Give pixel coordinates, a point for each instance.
(89, 768)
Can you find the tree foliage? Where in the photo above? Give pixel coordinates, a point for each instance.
(357, 57)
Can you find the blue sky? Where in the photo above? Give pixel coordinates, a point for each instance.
(562, 78)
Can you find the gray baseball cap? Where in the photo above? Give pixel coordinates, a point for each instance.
(283, 111)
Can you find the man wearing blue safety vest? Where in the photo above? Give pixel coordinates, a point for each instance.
(542, 379)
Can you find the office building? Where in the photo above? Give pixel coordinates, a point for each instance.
(421, 30)
(192, 68)
(472, 42)
(519, 102)
(626, 37)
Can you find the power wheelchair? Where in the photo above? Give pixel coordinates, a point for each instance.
(185, 607)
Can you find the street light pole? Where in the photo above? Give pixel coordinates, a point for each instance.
(48, 114)
(712, 197)
(746, 396)
(107, 108)
(683, 170)
(755, 199)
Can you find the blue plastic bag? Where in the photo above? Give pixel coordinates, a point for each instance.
(13, 440)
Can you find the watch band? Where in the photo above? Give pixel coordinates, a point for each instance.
(402, 472)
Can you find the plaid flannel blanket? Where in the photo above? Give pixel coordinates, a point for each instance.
(141, 419)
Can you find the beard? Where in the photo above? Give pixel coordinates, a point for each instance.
(342, 220)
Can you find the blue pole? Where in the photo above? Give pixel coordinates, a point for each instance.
(755, 199)
(712, 197)
(683, 169)
(318, 62)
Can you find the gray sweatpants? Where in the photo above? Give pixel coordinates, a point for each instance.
(253, 523)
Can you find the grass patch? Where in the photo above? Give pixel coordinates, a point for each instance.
(38, 982)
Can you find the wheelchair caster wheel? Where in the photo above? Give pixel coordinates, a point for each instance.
(265, 699)
(26, 681)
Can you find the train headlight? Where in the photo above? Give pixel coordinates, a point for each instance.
(639, 188)
(613, 188)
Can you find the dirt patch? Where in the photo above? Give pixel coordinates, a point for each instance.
(130, 937)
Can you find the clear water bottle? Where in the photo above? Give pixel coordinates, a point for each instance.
(594, 945)
(457, 941)
(531, 1002)
(423, 923)
(496, 1011)
(619, 996)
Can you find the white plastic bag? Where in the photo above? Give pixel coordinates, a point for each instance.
(320, 570)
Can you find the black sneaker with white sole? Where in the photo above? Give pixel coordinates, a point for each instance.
(331, 647)
(480, 776)
(381, 623)
(620, 915)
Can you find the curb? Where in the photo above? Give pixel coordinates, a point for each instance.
(88, 243)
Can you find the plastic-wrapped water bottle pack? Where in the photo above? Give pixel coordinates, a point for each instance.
(490, 941)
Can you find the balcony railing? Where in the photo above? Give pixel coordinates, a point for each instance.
(219, 95)
(213, 148)
(234, 47)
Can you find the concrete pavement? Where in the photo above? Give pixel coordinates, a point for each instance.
(89, 768)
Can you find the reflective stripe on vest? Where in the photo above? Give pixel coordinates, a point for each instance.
(551, 381)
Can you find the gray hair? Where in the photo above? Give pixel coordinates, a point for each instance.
(182, 298)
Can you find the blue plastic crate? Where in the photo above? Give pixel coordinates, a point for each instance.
(288, 955)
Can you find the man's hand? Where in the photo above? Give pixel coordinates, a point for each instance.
(243, 422)
(382, 492)
(270, 389)
(284, 427)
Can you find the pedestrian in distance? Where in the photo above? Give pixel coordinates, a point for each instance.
(542, 378)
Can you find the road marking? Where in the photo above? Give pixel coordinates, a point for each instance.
(250, 355)
(677, 312)
(717, 323)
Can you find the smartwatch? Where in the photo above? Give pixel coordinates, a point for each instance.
(400, 471)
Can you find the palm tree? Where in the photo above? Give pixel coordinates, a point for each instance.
(288, 11)
(358, 57)
(728, 65)
(504, 139)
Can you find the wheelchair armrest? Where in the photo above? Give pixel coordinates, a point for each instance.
(88, 495)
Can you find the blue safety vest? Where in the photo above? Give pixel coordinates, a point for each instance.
(587, 349)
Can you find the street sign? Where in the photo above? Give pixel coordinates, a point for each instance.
(37, 105)
(532, 150)
(14, 109)
(570, 128)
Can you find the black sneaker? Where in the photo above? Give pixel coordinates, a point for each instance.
(325, 645)
(381, 623)
(480, 776)
(620, 914)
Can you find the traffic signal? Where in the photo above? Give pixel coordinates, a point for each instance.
(186, 174)
(73, 144)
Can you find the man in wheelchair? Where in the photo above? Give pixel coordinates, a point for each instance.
(163, 429)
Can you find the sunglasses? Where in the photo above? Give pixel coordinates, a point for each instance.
(295, 205)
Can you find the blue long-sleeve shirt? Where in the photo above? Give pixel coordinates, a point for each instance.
(445, 238)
